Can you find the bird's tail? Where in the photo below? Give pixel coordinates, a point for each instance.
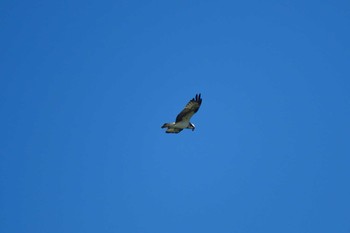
(166, 125)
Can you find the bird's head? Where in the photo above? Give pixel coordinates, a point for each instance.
(192, 126)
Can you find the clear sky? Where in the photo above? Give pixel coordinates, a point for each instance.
(86, 85)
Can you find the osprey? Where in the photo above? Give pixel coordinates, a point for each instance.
(183, 119)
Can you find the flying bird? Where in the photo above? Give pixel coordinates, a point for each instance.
(183, 119)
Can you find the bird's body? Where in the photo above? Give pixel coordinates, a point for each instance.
(183, 118)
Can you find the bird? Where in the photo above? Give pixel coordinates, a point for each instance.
(183, 118)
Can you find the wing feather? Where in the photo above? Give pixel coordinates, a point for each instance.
(190, 109)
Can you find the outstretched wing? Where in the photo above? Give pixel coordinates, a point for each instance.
(173, 130)
(190, 109)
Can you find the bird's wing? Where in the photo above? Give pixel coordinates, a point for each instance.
(190, 109)
(173, 130)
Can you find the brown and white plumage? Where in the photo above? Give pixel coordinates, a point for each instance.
(183, 118)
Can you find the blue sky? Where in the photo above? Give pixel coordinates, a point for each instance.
(86, 85)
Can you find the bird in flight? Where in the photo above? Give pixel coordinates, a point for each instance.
(183, 118)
